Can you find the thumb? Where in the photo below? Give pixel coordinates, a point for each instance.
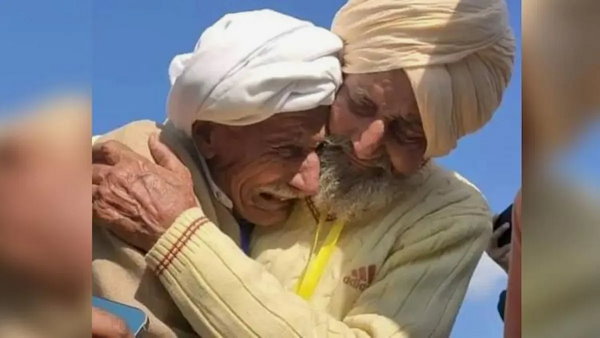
(500, 231)
(107, 325)
(164, 156)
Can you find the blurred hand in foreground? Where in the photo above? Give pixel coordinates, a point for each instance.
(45, 227)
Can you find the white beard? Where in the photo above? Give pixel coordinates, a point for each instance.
(346, 190)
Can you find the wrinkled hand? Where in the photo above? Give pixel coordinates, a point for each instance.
(500, 255)
(136, 198)
(106, 325)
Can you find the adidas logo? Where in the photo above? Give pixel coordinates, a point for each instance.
(361, 278)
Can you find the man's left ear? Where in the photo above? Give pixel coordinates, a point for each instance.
(202, 134)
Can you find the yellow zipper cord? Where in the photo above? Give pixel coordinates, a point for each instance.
(316, 266)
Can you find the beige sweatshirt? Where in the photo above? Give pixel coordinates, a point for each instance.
(119, 271)
(399, 272)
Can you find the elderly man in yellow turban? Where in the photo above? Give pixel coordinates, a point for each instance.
(388, 246)
(419, 75)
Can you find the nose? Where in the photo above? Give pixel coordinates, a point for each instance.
(369, 140)
(306, 179)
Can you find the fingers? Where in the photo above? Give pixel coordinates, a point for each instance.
(99, 173)
(107, 325)
(109, 152)
(114, 204)
(102, 210)
(164, 156)
(503, 252)
(500, 231)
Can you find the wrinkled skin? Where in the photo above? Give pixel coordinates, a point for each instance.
(136, 198)
(266, 166)
(263, 168)
(378, 113)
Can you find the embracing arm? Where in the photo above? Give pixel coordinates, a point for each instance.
(222, 292)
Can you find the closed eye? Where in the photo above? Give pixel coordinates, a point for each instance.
(405, 132)
(289, 151)
(363, 106)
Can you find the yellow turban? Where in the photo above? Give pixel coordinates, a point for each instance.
(458, 55)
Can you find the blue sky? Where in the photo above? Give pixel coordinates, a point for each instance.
(134, 42)
(46, 45)
(121, 49)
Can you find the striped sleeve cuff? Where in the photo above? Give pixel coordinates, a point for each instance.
(170, 244)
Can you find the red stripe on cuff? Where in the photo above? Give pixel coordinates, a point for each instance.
(178, 245)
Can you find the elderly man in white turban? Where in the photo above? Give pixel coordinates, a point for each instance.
(389, 244)
(247, 109)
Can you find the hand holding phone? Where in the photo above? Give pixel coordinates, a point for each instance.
(107, 325)
(503, 218)
(111, 319)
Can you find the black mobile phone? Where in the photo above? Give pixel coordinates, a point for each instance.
(504, 217)
(135, 318)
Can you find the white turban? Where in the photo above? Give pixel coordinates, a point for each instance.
(457, 54)
(249, 66)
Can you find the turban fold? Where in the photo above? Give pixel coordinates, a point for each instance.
(249, 66)
(457, 54)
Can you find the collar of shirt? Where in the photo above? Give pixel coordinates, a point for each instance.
(216, 191)
(246, 227)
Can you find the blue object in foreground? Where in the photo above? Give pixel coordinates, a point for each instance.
(135, 318)
(502, 304)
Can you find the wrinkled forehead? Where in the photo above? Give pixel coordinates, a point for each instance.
(390, 91)
(290, 125)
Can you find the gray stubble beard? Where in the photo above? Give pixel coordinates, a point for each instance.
(348, 191)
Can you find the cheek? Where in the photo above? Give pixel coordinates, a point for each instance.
(341, 120)
(264, 171)
(406, 159)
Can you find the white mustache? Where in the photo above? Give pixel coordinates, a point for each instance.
(282, 192)
(343, 146)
